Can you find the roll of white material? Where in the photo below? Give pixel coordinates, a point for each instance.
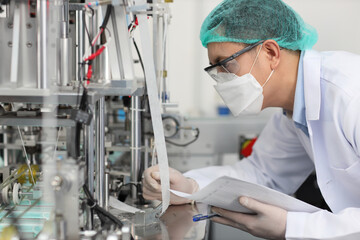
(155, 107)
(113, 202)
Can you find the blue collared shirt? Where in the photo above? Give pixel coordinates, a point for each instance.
(299, 115)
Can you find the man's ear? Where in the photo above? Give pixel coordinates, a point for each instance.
(272, 51)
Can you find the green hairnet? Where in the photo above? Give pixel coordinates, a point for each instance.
(249, 21)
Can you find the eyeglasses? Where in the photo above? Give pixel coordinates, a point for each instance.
(228, 65)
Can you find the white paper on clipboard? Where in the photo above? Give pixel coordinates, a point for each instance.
(224, 192)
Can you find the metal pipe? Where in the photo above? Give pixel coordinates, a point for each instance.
(65, 19)
(15, 52)
(42, 44)
(5, 151)
(93, 23)
(80, 43)
(135, 142)
(146, 155)
(65, 60)
(106, 184)
(89, 155)
(65, 44)
(90, 152)
(100, 152)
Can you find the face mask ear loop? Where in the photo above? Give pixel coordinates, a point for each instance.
(256, 59)
(268, 78)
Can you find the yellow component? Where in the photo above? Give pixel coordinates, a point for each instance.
(34, 169)
(23, 170)
(169, 1)
(9, 233)
(164, 74)
(246, 143)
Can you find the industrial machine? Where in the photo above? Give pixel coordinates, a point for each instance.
(75, 120)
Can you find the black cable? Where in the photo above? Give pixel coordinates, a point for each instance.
(136, 46)
(84, 101)
(107, 16)
(99, 210)
(130, 25)
(140, 59)
(127, 184)
(108, 13)
(138, 187)
(87, 31)
(188, 143)
(82, 64)
(78, 127)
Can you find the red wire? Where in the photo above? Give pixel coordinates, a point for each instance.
(97, 37)
(94, 55)
(90, 58)
(89, 73)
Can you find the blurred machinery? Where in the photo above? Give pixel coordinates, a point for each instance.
(75, 124)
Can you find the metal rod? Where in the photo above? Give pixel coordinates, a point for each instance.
(146, 155)
(42, 44)
(15, 45)
(89, 143)
(100, 152)
(135, 142)
(5, 151)
(93, 31)
(89, 154)
(106, 184)
(80, 43)
(65, 44)
(64, 19)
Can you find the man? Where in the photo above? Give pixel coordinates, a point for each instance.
(260, 57)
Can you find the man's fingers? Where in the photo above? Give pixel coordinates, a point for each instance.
(152, 187)
(253, 205)
(156, 176)
(150, 195)
(241, 218)
(149, 192)
(173, 174)
(149, 180)
(228, 222)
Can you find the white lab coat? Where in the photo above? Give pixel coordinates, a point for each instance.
(283, 157)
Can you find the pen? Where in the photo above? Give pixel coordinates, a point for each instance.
(201, 217)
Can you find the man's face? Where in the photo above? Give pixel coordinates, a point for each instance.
(221, 51)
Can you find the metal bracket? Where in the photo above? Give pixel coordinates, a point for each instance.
(148, 216)
(147, 9)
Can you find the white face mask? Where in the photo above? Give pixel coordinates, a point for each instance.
(242, 95)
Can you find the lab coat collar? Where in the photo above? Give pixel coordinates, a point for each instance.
(312, 65)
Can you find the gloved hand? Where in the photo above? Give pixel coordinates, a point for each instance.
(152, 186)
(269, 221)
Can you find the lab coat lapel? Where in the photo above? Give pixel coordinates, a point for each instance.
(312, 65)
(312, 93)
